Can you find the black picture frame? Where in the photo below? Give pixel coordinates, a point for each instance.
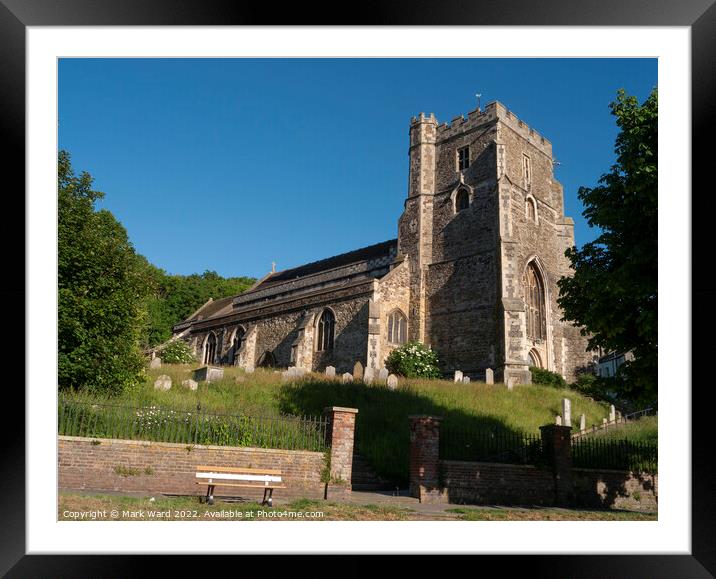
(699, 15)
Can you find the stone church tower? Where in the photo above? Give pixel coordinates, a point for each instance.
(484, 235)
(473, 272)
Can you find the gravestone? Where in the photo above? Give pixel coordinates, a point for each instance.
(249, 370)
(368, 375)
(489, 376)
(155, 363)
(458, 376)
(604, 421)
(189, 383)
(347, 377)
(466, 379)
(208, 374)
(330, 371)
(358, 371)
(612, 415)
(582, 423)
(511, 382)
(567, 411)
(164, 382)
(392, 381)
(558, 420)
(383, 374)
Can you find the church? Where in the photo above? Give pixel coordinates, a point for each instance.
(473, 272)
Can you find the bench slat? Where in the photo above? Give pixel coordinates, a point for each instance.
(243, 477)
(237, 470)
(242, 485)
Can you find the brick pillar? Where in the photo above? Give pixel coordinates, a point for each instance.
(341, 430)
(557, 448)
(425, 459)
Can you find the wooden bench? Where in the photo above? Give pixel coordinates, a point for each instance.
(255, 478)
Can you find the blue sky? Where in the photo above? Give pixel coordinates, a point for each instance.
(230, 164)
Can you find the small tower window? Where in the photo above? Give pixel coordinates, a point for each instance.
(463, 158)
(526, 171)
(397, 328)
(326, 330)
(531, 209)
(462, 200)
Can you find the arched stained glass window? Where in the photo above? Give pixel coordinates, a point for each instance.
(236, 344)
(535, 302)
(397, 328)
(210, 349)
(325, 331)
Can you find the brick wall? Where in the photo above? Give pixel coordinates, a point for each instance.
(496, 484)
(616, 489)
(555, 482)
(161, 467)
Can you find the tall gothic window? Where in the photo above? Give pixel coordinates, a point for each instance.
(236, 344)
(462, 200)
(210, 349)
(397, 328)
(326, 330)
(535, 302)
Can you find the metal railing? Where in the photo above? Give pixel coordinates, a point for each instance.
(485, 445)
(159, 424)
(613, 454)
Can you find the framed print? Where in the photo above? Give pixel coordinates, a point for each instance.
(138, 77)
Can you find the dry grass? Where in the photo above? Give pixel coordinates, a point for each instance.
(190, 509)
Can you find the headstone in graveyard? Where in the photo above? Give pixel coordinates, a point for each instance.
(189, 383)
(392, 381)
(567, 411)
(458, 376)
(164, 382)
(330, 371)
(358, 371)
(155, 363)
(347, 377)
(489, 376)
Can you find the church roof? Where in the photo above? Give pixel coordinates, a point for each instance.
(363, 254)
(361, 263)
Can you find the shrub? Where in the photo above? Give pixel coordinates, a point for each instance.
(547, 378)
(177, 352)
(413, 360)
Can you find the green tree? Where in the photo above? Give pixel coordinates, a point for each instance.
(176, 297)
(613, 293)
(103, 288)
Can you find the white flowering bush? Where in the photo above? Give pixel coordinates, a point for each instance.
(177, 352)
(413, 360)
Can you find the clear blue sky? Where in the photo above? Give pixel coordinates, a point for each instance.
(230, 164)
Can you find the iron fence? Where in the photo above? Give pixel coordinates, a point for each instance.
(636, 456)
(484, 445)
(159, 424)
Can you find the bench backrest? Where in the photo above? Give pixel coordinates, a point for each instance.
(241, 474)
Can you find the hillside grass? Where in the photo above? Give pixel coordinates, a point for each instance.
(382, 433)
(644, 429)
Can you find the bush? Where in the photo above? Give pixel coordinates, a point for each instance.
(413, 360)
(547, 378)
(177, 352)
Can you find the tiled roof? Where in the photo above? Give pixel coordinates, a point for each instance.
(364, 254)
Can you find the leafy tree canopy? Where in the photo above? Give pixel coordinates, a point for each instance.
(102, 287)
(613, 293)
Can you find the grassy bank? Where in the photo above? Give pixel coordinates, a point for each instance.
(642, 430)
(382, 434)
